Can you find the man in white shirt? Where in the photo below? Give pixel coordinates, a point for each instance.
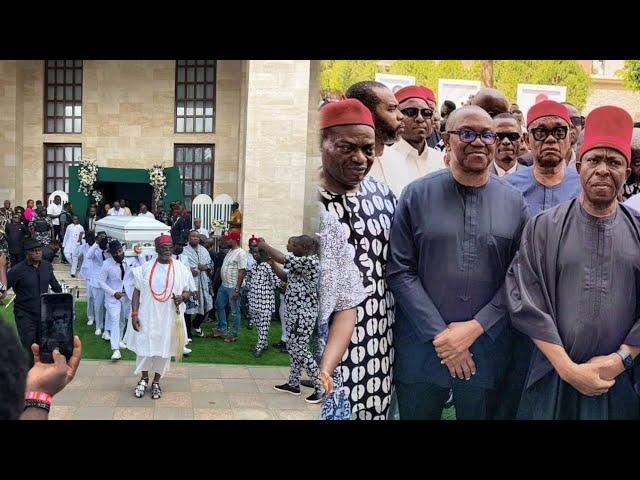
(117, 282)
(197, 225)
(144, 212)
(417, 104)
(71, 244)
(98, 253)
(123, 205)
(116, 209)
(389, 126)
(54, 210)
(508, 141)
(232, 275)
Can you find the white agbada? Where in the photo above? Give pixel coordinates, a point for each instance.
(155, 338)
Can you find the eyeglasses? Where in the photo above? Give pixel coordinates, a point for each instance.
(541, 133)
(577, 121)
(469, 136)
(512, 136)
(413, 112)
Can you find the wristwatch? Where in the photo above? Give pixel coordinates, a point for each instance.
(627, 359)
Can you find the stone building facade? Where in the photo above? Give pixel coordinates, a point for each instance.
(262, 138)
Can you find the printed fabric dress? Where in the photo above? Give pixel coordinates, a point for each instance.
(339, 288)
(367, 366)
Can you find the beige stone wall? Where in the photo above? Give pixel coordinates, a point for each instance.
(311, 205)
(127, 120)
(612, 92)
(276, 150)
(8, 130)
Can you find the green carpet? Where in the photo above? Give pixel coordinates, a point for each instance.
(205, 350)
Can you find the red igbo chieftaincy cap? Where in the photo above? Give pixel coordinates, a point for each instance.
(611, 127)
(412, 91)
(233, 235)
(163, 240)
(548, 108)
(345, 112)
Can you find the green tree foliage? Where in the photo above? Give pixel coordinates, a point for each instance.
(339, 74)
(428, 72)
(631, 74)
(508, 73)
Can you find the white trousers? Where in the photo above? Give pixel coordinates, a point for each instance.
(152, 364)
(71, 254)
(96, 299)
(118, 311)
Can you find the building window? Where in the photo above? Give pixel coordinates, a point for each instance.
(58, 157)
(196, 170)
(195, 96)
(597, 67)
(63, 96)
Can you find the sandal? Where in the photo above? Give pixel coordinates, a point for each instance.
(141, 388)
(156, 391)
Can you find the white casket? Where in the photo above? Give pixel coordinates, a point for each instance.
(132, 231)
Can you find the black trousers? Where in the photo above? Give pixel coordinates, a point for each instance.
(198, 320)
(27, 325)
(56, 234)
(187, 321)
(425, 401)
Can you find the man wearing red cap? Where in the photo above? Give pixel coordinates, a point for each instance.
(549, 181)
(388, 121)
(364, 206)
(232, 273)
(574, 288)
(418, 158)
(161, 286)
(453, 236)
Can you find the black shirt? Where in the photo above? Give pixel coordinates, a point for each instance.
(29, 283)
(16, 233)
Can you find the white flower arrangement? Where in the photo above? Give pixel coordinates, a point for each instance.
(88, 174)
(218, 226)
(97, 195)
(158, 181)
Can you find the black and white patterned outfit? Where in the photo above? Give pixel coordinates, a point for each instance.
(367, 365)
(301, 301)
(261, 297)
(42, 228)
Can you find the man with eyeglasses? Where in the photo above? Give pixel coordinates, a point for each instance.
(453, 236)
(389, 126)
(418, 158)
(546, 184)
(573, 289)
(508, 141)
(549, 181)
(631, 187)
(577, 124)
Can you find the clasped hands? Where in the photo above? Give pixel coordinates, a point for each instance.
(452, 346)
(596, 376)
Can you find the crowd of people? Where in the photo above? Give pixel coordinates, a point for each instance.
(500, 273)
(468, 256)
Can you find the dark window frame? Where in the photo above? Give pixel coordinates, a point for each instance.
(77, 65)
(46, 162)
(195, 83)
(193, 164)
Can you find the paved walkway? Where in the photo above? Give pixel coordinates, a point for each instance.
(103, 390)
